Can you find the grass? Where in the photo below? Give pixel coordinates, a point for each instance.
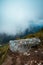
(3, 52)
(38, 35)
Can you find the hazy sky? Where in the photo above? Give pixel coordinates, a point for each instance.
(15, 15)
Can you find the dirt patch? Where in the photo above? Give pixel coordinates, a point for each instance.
(33, 57)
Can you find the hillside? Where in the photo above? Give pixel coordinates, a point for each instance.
(37, 34)
(6, 54)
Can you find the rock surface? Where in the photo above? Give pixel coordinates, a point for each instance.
(23, 45)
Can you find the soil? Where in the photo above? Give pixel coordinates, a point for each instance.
(32, 57)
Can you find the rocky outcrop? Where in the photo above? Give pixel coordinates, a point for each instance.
(23, 45)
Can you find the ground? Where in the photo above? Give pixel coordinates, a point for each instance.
(34, 56)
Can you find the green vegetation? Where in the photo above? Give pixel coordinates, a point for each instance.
(3, 52)
(38, 34)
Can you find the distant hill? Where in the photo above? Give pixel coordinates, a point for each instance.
(4, 38)
(38, 34)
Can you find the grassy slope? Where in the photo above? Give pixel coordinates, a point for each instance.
(38, 34)
(3, 52)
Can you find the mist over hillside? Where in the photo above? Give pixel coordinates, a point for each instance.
(5, 38)
(18, 15)
(21, 27)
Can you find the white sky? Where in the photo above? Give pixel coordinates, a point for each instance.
(16, 14)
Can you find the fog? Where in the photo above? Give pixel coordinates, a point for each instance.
(18, 15)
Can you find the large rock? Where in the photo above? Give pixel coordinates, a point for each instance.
(23, 45)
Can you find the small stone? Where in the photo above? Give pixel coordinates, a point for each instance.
(25, 53)
(28, 54)
(26, 64)
(39, 63)
(35, 61)
(35, 51)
